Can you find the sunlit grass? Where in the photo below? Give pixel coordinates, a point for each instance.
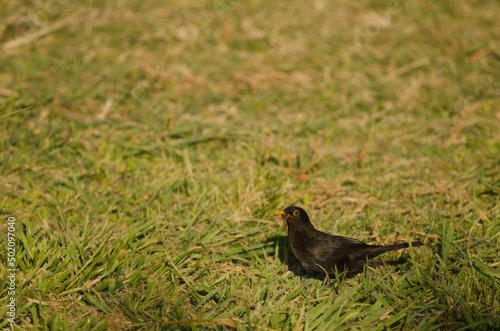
(145, 146)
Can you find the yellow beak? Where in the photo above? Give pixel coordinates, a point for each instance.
(281, 212)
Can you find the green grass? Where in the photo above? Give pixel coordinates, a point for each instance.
(144, 146)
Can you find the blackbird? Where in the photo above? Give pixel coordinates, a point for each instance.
(321, 253)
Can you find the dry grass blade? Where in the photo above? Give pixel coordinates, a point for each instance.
(34, 36)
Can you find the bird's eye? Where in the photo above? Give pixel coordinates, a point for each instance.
(296, 213)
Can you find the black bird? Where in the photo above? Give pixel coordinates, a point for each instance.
(322, 253)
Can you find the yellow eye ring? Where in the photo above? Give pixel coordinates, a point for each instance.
(296, 213)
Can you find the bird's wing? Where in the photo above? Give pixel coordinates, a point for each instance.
(325, 240)
(329, 250)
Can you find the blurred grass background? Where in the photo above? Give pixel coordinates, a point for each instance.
(145, 145)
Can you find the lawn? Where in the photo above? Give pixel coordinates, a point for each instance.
(145, 145)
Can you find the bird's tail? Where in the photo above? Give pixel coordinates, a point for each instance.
(382, 249)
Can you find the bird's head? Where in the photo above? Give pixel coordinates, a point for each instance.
(292, 215)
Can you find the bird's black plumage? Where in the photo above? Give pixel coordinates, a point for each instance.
(320, 252)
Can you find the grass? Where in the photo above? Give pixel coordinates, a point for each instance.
(145, 145)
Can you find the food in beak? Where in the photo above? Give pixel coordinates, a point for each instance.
(280, 217)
